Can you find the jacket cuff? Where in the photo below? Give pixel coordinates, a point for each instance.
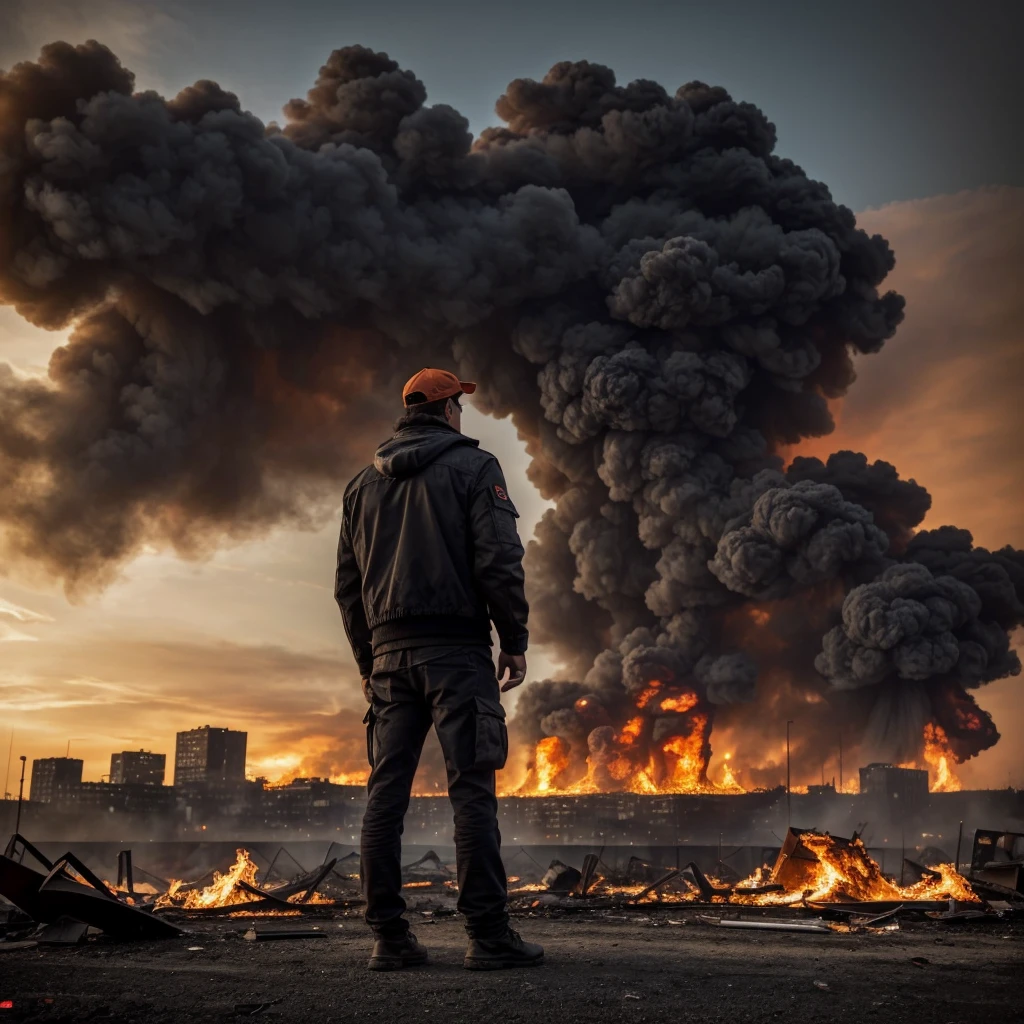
(515, 644)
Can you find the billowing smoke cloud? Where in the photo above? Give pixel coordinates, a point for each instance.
(656, 298)
(794, 537)
(896, 506)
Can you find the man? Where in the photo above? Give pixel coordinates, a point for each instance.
(429, 557)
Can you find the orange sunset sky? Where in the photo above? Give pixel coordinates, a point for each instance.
(251, 638)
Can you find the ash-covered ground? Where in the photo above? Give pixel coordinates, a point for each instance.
(659, 966)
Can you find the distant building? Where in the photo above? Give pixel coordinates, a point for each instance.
(313, 803)
(210, 755)
(141, 799)
(137, 767)
(903, 789)
(50, 775)
(825, 789)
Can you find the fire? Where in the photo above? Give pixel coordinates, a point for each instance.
(682, 703)
(356, 778)
(729, 783)
(315, 897)
(844, 871)
(630, 759)
(645, 696)
(631, 732)
(223, 891)
(685, 759)
(939, 758)
(827, 870)
(550, 761)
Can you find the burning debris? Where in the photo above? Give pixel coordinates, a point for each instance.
(70, 892)
(223, 891)
(237, 890)
(814, 875)
(813, 869)
(661, 303)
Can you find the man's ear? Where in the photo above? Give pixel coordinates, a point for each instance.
(449, 410)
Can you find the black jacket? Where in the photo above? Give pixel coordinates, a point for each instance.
(429, 546)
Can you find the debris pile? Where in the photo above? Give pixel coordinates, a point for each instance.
(813, 872)
(817, 883)
(64, 902)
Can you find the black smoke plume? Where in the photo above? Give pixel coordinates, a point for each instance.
(657, 299)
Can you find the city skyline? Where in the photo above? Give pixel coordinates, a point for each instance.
(349, 779)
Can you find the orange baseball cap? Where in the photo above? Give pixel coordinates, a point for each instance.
(430, 385)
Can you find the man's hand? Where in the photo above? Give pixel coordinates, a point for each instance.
(514, 666)
(367, 692)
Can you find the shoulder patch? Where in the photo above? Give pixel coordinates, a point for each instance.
(500, 499)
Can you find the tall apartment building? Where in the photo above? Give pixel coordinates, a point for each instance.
(210, 755)
(139, 767)
(50, 775)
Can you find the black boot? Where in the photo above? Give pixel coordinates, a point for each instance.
(392, 954)
(508, 951)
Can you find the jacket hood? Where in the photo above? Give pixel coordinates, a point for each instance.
(416, 445)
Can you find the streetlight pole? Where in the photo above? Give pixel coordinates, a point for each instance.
(21, 792)
(789, 802)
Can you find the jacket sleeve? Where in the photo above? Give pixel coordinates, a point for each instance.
(498, 557)
(348, 592)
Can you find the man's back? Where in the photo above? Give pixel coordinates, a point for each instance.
(429, 546)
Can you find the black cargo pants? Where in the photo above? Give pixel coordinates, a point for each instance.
(455, 690)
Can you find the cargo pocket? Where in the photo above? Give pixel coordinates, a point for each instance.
(369, 720)
(491, 736)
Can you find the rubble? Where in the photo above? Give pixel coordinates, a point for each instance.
(816, 882)
(560, 878)
(997, 861)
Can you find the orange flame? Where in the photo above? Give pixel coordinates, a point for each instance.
(684, 702)
(550, 760)
(847, 871)
(356, 778)
(939, 757)
(629, 763)
(630, 732)
(843, 871)
(223, 891)
(645, 696)
(685, 759)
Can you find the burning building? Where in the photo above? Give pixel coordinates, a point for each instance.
(663, 305)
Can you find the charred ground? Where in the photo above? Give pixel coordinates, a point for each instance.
(597, 970)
